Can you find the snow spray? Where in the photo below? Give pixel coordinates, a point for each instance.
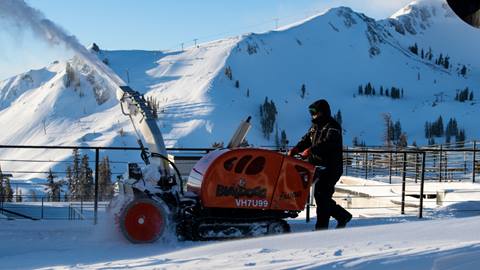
(23, 16)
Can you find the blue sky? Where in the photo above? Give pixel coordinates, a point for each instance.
(161, 24)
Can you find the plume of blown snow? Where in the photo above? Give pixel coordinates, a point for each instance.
(22, 16)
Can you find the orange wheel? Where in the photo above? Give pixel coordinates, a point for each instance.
(143, 221)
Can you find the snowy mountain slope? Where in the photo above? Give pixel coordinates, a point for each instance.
(433, 23)
(185, 89)
(16, 86)
(435, 244)
(53, 114)
(332, 54)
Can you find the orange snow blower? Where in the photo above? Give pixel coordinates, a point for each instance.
(231, 193)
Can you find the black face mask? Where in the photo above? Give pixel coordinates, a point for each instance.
(321, 120)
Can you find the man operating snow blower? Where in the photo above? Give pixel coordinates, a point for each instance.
(322, 146)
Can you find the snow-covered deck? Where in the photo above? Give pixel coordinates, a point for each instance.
(368, 198)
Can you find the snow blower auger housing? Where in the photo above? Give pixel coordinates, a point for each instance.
(231, 193)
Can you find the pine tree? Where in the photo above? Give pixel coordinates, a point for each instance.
(69, 179)
(355, 141)
(414, 49)
(471, 96)
(446, 62)
(277, 139)
(228, 73)
(368, 89)
(33, 196)
(268, 114)
(460, 139)
(302, 91)
(338, 117)
(8, 190)
(463, 71)
(74, 179)
(237, 84)
(86, 179)
(440, 60)
(464, 95)
(393, 93)
(452, 128)
(381, 90)
(283, 139)
(428, 134)
(388, 133)
(53, 187)
(397, 131)
(402, 140)
(95, 47)
(248, 92)
(105, 187)
(360, 90)
(439, 127)
(391, 128)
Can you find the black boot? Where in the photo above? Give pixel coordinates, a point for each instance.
(341, 215)
(342, 223)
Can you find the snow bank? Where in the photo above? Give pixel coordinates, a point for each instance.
(436, 244)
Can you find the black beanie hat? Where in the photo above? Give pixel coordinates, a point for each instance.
(321, 106)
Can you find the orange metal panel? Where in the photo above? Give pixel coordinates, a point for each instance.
(197, 174)
(241, 178)
(293, 185)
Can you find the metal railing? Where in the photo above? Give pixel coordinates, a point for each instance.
(441, 163)
(406, 171)
(43, 207)
(30, 165)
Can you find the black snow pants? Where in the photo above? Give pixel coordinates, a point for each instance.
(326, 206)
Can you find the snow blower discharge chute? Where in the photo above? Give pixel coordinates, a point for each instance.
(230, 193)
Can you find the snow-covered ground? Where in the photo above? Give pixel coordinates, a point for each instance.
(442, 241)
(378, 237)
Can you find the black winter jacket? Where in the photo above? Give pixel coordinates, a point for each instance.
(326, 145)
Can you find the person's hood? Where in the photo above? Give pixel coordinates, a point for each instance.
(321, 106)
